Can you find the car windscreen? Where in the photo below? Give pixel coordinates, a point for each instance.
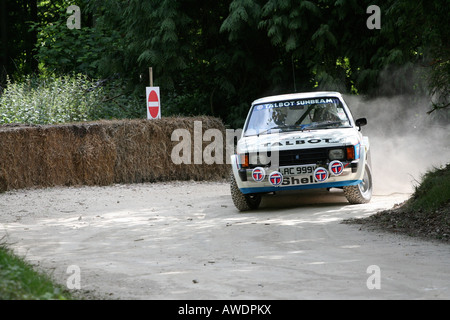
(294, 115)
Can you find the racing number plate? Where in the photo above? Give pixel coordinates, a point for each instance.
(297, 170)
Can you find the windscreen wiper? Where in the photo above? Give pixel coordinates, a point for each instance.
(319, 125)
(266, 131)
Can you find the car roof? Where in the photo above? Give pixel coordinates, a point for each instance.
(294, 96)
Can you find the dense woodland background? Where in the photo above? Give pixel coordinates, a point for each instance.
(215, 57)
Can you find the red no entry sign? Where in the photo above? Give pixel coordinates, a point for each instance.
(153, 103)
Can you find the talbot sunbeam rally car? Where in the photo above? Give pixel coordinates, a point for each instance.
(300, 141)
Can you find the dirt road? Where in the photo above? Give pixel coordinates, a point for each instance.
(185, 240)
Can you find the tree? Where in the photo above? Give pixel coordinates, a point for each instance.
(200, 69)
(16, 41)
(215, 57)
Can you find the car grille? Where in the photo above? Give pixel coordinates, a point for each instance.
(301, 157)
(305, 156)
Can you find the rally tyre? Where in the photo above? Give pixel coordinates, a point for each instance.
(361, 193)
(243, 202)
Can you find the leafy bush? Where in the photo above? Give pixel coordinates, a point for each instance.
(433, 192)
(65, 99)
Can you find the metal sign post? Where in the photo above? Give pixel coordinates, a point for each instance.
(153, 100)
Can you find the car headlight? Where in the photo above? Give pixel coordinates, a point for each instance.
(259, 158)
(336, 154)
(253, 159)
(263, 159)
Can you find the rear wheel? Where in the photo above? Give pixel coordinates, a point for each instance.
(361, 193)
(243, 202)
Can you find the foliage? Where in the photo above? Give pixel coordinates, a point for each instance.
(64, 99)
(18, 281)
(64, 51)
(215, 57)
(19, 35)
(425, 214)
(433, 192)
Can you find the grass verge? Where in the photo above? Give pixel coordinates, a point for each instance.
(426, 214)
(19, 281)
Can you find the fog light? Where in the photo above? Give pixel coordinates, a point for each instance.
(320, 174)
(276, 178)
(258, 174)
(336, 168)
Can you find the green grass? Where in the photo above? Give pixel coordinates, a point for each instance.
(433, 192)
(426, 214)
(19, 281)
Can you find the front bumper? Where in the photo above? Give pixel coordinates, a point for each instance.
(352, 174)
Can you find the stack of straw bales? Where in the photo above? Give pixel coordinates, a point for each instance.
(99, 153)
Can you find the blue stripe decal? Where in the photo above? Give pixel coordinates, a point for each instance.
(301, 187)
(357, 151)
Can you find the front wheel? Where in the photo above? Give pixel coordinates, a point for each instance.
(243, 202)
(361, 193)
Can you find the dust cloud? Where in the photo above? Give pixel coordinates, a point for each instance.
(405, 141)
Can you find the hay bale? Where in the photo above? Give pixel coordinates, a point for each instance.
(3, 182)
(99, 153)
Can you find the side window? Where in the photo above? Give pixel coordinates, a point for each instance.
(342, 115)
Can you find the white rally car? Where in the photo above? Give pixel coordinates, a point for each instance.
(300, 141)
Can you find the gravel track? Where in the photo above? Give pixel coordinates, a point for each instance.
(186, 240)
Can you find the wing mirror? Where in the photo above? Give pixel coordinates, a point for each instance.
(361, 122)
